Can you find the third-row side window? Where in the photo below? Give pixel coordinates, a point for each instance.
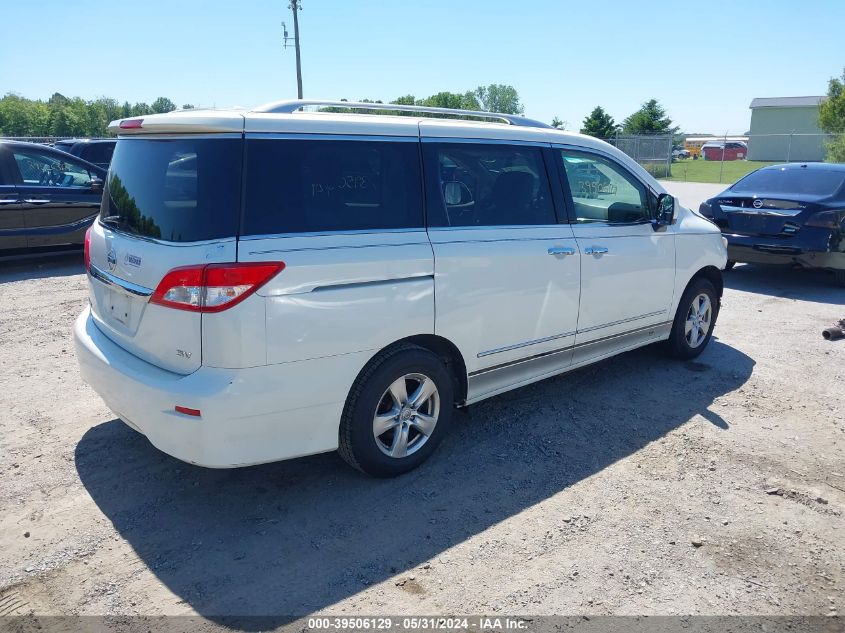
(295, 186)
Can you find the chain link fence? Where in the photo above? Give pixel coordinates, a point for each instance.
(727, 157)
(788, 147)
(46, 139)
(654, 153)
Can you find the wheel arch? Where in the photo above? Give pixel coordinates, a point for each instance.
(711, 274)
(445, 349)
(451, 356)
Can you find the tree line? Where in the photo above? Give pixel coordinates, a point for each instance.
(651, 118)
(73, 116)
(70, 116)
(492, 98)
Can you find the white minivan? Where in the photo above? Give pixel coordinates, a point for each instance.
(273, 283)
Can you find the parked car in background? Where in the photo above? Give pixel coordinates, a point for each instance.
(48, 198)
(97, 151)
(732, 150)
(301, 282)
(785, 214)
(680, 152)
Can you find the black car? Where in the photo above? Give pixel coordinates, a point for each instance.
(48, 198)
(93, 150)
(785, 214)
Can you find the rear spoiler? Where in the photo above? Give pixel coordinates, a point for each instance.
(181, 122)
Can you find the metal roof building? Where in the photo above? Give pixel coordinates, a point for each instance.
(786, 129)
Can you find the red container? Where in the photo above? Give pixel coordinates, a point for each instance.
(732, 151)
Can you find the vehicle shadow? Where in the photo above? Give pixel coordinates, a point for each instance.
(285, 540)
(41, 267)
(782, 281)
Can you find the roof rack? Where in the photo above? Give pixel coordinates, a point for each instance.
(288, 107)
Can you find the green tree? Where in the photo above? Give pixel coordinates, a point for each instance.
(832, 118)
(140, 109)
(187, 106)
(651, 118)
(558, 124)
(452, 100)
(163, 104)
(63, 116)
(599, 124)
(499, 98)
(15, 119)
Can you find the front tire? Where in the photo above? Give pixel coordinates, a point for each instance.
(397, 412)
(694, 320)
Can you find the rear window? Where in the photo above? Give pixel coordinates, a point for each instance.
(817, 182)
(98, 152)
(295, 186)
(178, 190)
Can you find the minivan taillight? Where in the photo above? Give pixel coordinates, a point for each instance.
(86, 256)
(214, 287)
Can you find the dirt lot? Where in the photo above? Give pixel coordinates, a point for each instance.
(637, 486)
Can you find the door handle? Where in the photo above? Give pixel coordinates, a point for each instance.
(35, 200)
(595, 250)
(561, 250)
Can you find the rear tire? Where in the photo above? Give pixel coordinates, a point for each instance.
(407, 393)
(729, 264)
(694, 320)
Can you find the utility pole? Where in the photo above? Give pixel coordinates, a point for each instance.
(296, 7)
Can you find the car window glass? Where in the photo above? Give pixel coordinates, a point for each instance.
(179, 190)
(295, 186)
(603, 191)
(487, 185)
(99, 152)
(821, 182)
(50, 171)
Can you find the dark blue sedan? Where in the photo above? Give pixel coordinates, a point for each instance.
(785, 214)
(48, 199)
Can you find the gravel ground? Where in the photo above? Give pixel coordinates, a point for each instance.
(639, 485)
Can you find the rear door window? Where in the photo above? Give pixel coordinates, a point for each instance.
(177, 190)
(100, 153)
(487, 185)
(296, 186)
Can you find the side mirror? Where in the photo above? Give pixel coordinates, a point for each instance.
(96, 185)
(665, 211)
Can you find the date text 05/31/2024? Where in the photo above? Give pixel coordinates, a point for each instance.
(417, 623)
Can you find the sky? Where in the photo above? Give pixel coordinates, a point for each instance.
(704, 60)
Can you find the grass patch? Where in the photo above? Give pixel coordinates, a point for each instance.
(708, 170)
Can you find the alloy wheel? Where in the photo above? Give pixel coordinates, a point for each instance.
(406, 415)
(699, 320)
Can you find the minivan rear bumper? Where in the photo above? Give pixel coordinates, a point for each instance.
(249, 416)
